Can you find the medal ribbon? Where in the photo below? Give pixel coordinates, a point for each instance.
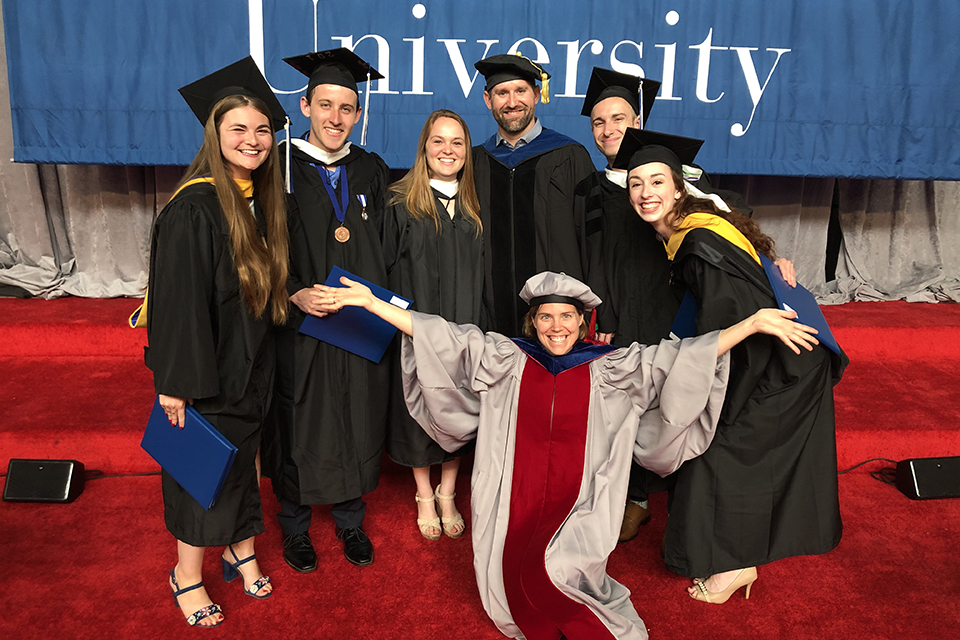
(340, 208)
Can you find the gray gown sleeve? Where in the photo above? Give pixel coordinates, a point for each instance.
(677, 388)
(445, 369)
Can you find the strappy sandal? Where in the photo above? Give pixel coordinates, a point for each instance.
(428, 523)
(450, 522)
(231, 571)
(194, 618)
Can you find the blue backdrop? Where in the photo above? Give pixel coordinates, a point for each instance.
(785, 87)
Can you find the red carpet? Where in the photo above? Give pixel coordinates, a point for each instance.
(74, 386)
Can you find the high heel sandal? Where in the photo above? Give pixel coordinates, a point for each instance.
(199, 614)
(428, 523)
(231, 571)
(452, 521)
(745, 578)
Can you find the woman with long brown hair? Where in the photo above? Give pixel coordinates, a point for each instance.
(433, 248)
(766, 488)
(218, 267)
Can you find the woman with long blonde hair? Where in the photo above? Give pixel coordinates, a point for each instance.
(433, 249)
(218, 267)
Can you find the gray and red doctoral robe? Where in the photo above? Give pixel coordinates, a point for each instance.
(554, 440)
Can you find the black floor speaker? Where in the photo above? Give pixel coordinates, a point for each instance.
(43, 480)
(924, 478)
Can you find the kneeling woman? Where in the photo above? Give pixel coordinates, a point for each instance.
(556, 422)
(767, 487)
(218, 267)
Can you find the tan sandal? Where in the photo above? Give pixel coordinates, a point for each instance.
(428, 523)
(449, 523)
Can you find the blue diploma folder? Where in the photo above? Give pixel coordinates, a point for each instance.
(788, 298)
(198, 457)
(354, 328)
(800, 300)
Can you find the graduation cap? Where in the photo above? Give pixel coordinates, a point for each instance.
(341, 67)
(240, 78)
(505, 67)
(605, 83)
(640, 147)
(547, 287)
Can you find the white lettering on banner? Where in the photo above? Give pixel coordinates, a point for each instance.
(753, 83)
(459, 66)
(572, 50)
(703, 66)
(627, 67)
(573, 59)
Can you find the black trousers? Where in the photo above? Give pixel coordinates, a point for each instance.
(295, 518)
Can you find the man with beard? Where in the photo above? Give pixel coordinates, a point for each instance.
(525, 176)
(330, 405)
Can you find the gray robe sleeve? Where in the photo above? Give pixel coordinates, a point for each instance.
(678, 389)
(445, 368)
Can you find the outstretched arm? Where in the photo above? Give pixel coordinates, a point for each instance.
(772, 322)
(332, 299)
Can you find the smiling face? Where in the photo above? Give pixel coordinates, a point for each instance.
(608, 120)
(333, 111)
(653, 195)
(513, 104)
(446, 150)
(558, 327)
(245, 140)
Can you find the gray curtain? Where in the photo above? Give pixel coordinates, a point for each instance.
(85, 230)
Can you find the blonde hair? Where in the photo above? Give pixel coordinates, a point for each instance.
(261, 266)
(414, 192)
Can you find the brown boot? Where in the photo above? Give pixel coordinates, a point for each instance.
(634, 517)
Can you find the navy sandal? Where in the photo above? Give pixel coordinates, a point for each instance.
(231, 571)
(199, 614)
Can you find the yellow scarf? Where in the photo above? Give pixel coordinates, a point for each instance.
(714, 223)
(246, 186)
(138, 319)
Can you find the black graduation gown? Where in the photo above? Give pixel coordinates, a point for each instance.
(529, 222)
(205, 345)
(767, 487)
(631, 274)
(443, 274)
(331, 405)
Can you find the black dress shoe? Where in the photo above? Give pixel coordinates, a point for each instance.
(298, 552)
(357, 547)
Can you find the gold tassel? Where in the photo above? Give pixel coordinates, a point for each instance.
(545, 89)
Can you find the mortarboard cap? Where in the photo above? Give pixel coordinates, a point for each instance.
(339, 66)
(505, 67)
(640, 147)
(240, 78)
(549, 287)
(605, 83)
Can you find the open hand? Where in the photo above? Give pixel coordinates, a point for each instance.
(787, 271)
(776, 322)
(354, 294)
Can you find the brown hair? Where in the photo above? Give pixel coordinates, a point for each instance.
(530, 326)
(261, 266)
(414, 192)
(688, 204)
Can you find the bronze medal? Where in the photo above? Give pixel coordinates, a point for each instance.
(342, 234)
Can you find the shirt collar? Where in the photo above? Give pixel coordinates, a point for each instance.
(526, 139)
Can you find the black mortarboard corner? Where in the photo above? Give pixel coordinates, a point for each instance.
(334, 66)
(240, 78)
(243, 77)
(640, 147)
(341, 67)
(505, 67)
(605, 83)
